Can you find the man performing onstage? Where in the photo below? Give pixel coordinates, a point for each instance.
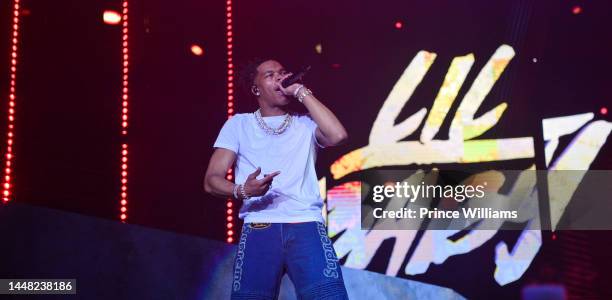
(275, 154)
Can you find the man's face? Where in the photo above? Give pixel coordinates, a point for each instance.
(269, 75)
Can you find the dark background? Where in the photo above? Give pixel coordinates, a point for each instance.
(68, 139)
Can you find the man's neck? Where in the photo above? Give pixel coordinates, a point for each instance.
(271, 111)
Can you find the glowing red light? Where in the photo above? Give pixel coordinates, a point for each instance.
(123, 216)
(398, 25)
(230, 104)
(111, 17)
(11, 111)
(197, 50)
(603, 110)
(576, 9)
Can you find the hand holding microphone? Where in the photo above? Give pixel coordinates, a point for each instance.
(293, 78)
(289, 85)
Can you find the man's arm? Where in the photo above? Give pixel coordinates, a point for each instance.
(214, 180)
(216, 184)
(330, 131)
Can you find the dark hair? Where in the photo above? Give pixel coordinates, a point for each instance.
(247, 74)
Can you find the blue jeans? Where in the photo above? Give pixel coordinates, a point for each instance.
(303, 250)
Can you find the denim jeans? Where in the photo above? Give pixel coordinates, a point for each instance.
(267, 250)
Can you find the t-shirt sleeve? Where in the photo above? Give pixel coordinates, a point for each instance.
(228, 136)
(312, 126)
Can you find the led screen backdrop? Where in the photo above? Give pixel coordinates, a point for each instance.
(469, 85)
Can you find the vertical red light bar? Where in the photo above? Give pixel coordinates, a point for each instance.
(124, 112)
(230, 111)
(6, 186)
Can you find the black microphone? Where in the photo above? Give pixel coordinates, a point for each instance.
(294, 78)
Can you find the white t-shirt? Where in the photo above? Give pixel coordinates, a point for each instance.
(294, 195)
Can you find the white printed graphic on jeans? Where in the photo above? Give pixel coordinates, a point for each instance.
(240, 258)
(331, 261)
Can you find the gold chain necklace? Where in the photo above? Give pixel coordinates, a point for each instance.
(269, 130)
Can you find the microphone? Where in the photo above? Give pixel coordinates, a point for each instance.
(294, 78)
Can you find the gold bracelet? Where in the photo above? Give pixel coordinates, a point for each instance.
(243, 193)
(305, 93)
(297, 90)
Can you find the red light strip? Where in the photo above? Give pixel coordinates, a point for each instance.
(124, 112)
(6, 186)
(230, 111)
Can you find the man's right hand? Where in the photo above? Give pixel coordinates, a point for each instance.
(258, 187)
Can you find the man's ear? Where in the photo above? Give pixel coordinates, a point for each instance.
(255, 90)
